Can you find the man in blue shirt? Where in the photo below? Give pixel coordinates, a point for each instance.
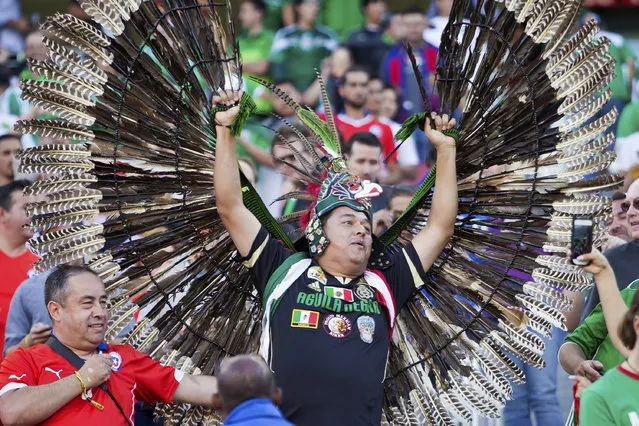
(247, 393)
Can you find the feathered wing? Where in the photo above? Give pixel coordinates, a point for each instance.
(141, 184)
(529, 158)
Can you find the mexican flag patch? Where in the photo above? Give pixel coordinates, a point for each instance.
(304, 319)
(339, 293)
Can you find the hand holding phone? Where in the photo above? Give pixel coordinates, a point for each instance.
(581, 239)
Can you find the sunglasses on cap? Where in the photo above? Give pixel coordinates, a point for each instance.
(625, 206)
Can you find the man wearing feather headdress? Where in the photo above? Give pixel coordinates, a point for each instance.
(328, 318)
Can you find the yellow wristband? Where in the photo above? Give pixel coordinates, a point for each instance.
(85, 394)
(26, 341)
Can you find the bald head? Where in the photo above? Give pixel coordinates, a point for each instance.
(244, 377)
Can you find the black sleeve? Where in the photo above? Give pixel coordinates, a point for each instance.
(265, 256)
(405, 274)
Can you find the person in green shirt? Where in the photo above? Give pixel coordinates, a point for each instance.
(588, 351)
(612, 400)
(342, 16)
(278, 13)
(255, 44)
(299, 49)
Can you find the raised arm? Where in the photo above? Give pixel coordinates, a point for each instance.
(238, 220)
(441, 221)
(614, 308)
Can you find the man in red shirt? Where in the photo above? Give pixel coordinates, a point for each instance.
(39, 386)
(15, 259)
(355, 117)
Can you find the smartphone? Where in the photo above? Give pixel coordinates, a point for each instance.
(581, 239)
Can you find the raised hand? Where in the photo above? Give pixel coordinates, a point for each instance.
(39, 333)
(435, 136)
(598, 262)
(229, 99)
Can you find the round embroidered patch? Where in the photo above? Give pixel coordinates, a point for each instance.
(364, 292)
(117, 361)
(337, 326)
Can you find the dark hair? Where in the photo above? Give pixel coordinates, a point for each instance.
(242, 378)
(355, 68)
(413, 11)
(55, 287)
(626, 328)
(401, 190)
(258, 4)
(365, 3)
(365, 138)
(6, 192)
(618, 196)
(9, 136)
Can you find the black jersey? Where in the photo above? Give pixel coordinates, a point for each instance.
(331, 336)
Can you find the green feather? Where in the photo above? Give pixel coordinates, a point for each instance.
(320, 129)
(412, 123)
(254, 203)
(247, 107)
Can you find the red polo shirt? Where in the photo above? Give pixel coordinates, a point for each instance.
(14, 272)
(135, 376)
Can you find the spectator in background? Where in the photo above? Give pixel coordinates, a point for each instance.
(612, 400)
(247, 393)
(28, 322)
(369, 45)
(623, 258)
(617, 225)
(294, 163)
(374, 96)
(364, 154)
(339, 62)
(588, 351)
(9, 146)
(398, 201)
(13, 26)
(341, 16)
(436, 24)
(299, 49)
(355, 118)
(627, 143)
(395, 31)
(408, 158)
(278, 14)
(255, 43)
(398, 72)
(15, 259)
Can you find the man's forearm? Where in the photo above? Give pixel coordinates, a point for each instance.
(17, 406)
(226, 178)
(614, 308)
(444, 207)
(196, 390)
(570, 357)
